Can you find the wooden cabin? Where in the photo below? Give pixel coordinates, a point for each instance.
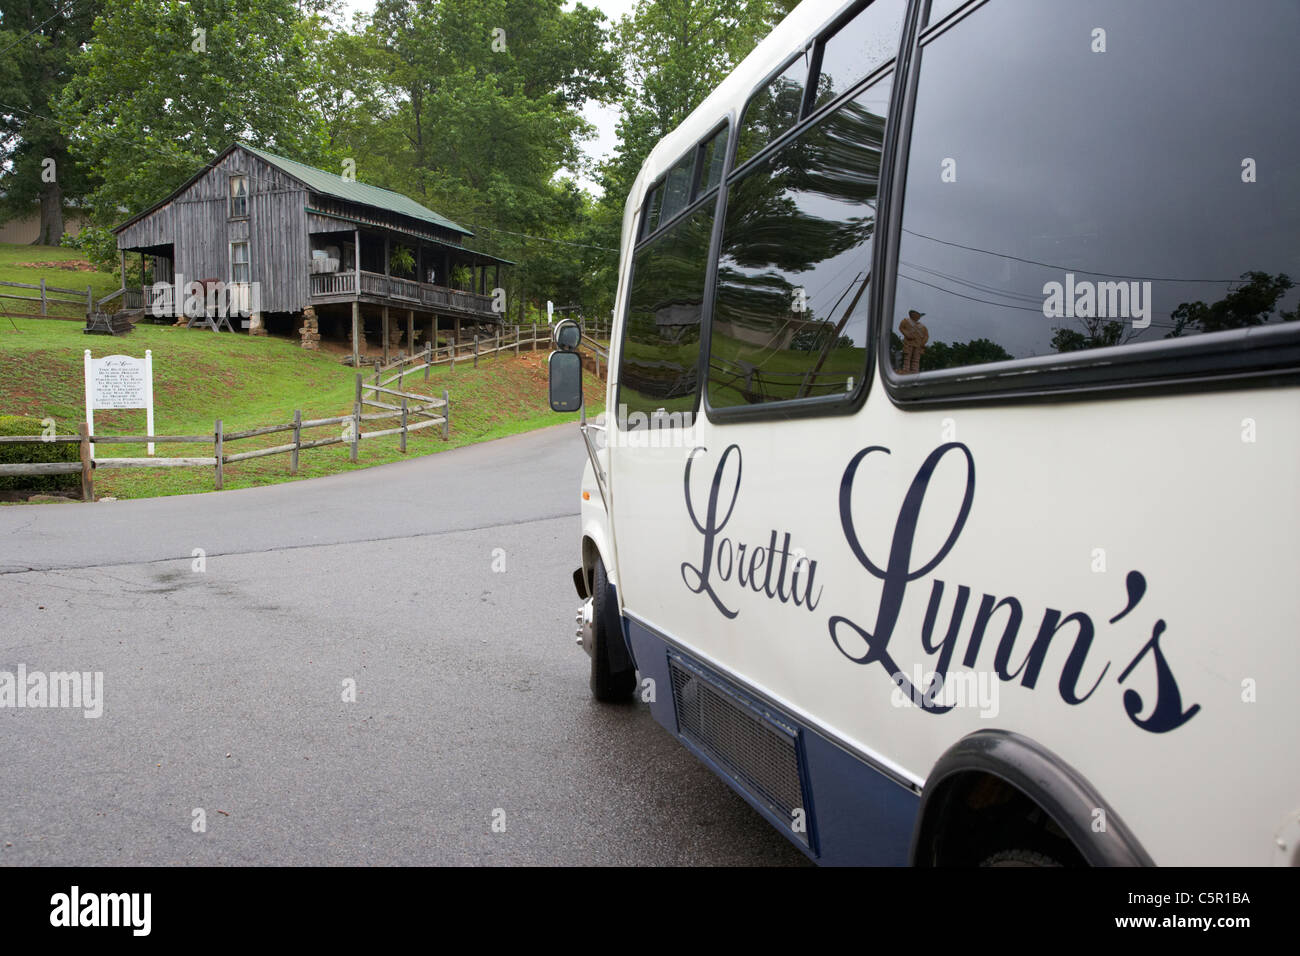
(330, 256)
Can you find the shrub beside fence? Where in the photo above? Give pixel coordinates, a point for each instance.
(31, 449)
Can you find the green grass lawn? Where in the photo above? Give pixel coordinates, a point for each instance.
(248, 382)
(15, 266)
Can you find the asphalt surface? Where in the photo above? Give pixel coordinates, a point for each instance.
(224, 687)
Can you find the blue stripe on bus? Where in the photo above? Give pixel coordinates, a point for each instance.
(858, 814)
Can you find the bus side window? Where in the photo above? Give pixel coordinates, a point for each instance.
(661, 338)
(650, 221)
(1068, 196)
(866, 42)
(790, 309)
(713, 154)
(772, 110)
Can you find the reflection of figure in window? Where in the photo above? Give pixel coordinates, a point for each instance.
(915, 335)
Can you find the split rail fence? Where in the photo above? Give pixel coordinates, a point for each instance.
(48, 295)
(413, 410)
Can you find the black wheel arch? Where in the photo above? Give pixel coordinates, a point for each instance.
(1041, 776)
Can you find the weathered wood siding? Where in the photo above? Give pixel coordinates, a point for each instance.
(198, 224)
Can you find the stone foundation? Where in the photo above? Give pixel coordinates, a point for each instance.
(310, 330)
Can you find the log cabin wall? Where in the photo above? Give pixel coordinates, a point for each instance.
(198, 224)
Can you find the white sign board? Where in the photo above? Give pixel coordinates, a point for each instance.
(119, 381)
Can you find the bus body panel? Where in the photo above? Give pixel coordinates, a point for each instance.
(1152, 562)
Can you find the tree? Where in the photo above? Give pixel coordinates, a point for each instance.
(675, 52)
(1248, 306)
(483, 116)
(38, 46)
(165, 85)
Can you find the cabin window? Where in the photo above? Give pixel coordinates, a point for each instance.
(866, 42)
(239, 264)
(1033, 226)
(772, 110)
(661, 343)
(238, 197)
(790, 308)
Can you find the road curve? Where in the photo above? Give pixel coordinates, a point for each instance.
(435, 591)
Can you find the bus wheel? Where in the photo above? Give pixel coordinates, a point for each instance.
(607, 684)
(1020, 858)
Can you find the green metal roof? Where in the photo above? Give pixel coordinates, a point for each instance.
(349, 190)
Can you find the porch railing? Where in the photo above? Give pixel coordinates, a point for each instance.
(393, 287)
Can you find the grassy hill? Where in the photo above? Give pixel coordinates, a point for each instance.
(64, 268)
(200, 376)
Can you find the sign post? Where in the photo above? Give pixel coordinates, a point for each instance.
(119, 381)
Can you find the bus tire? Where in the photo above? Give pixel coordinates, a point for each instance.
(1020, 858)
(607, 684)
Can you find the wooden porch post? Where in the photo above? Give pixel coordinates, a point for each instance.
(356, 334)
(356, 257)
(385, 330)
(410, 331)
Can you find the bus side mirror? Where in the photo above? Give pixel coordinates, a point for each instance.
(564, 371)
(567, 335)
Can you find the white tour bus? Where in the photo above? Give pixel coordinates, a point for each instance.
(946, 500)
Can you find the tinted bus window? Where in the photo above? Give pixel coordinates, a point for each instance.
(650, 222)
(790, 314)
(661, 343)
(677, 188)
(866, 42)
(1064, 195)
(712, 155)
(772, 110)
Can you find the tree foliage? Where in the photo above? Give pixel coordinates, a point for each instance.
(165, 85)
(39, 43)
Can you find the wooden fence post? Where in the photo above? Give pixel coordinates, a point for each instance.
(402, 449)
(42, 295)
(428, 359)
(446, 415)
(218, 448)
(451, 350)
(518, 336)
(297, 441)
(356, 421)
(90, 299)
(497, 349)
(534, 348)
(87, 466)
(476, 350)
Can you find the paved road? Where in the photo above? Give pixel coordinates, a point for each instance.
(223, 689)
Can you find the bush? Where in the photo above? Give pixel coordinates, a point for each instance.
(99, 246)
(26, 452)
